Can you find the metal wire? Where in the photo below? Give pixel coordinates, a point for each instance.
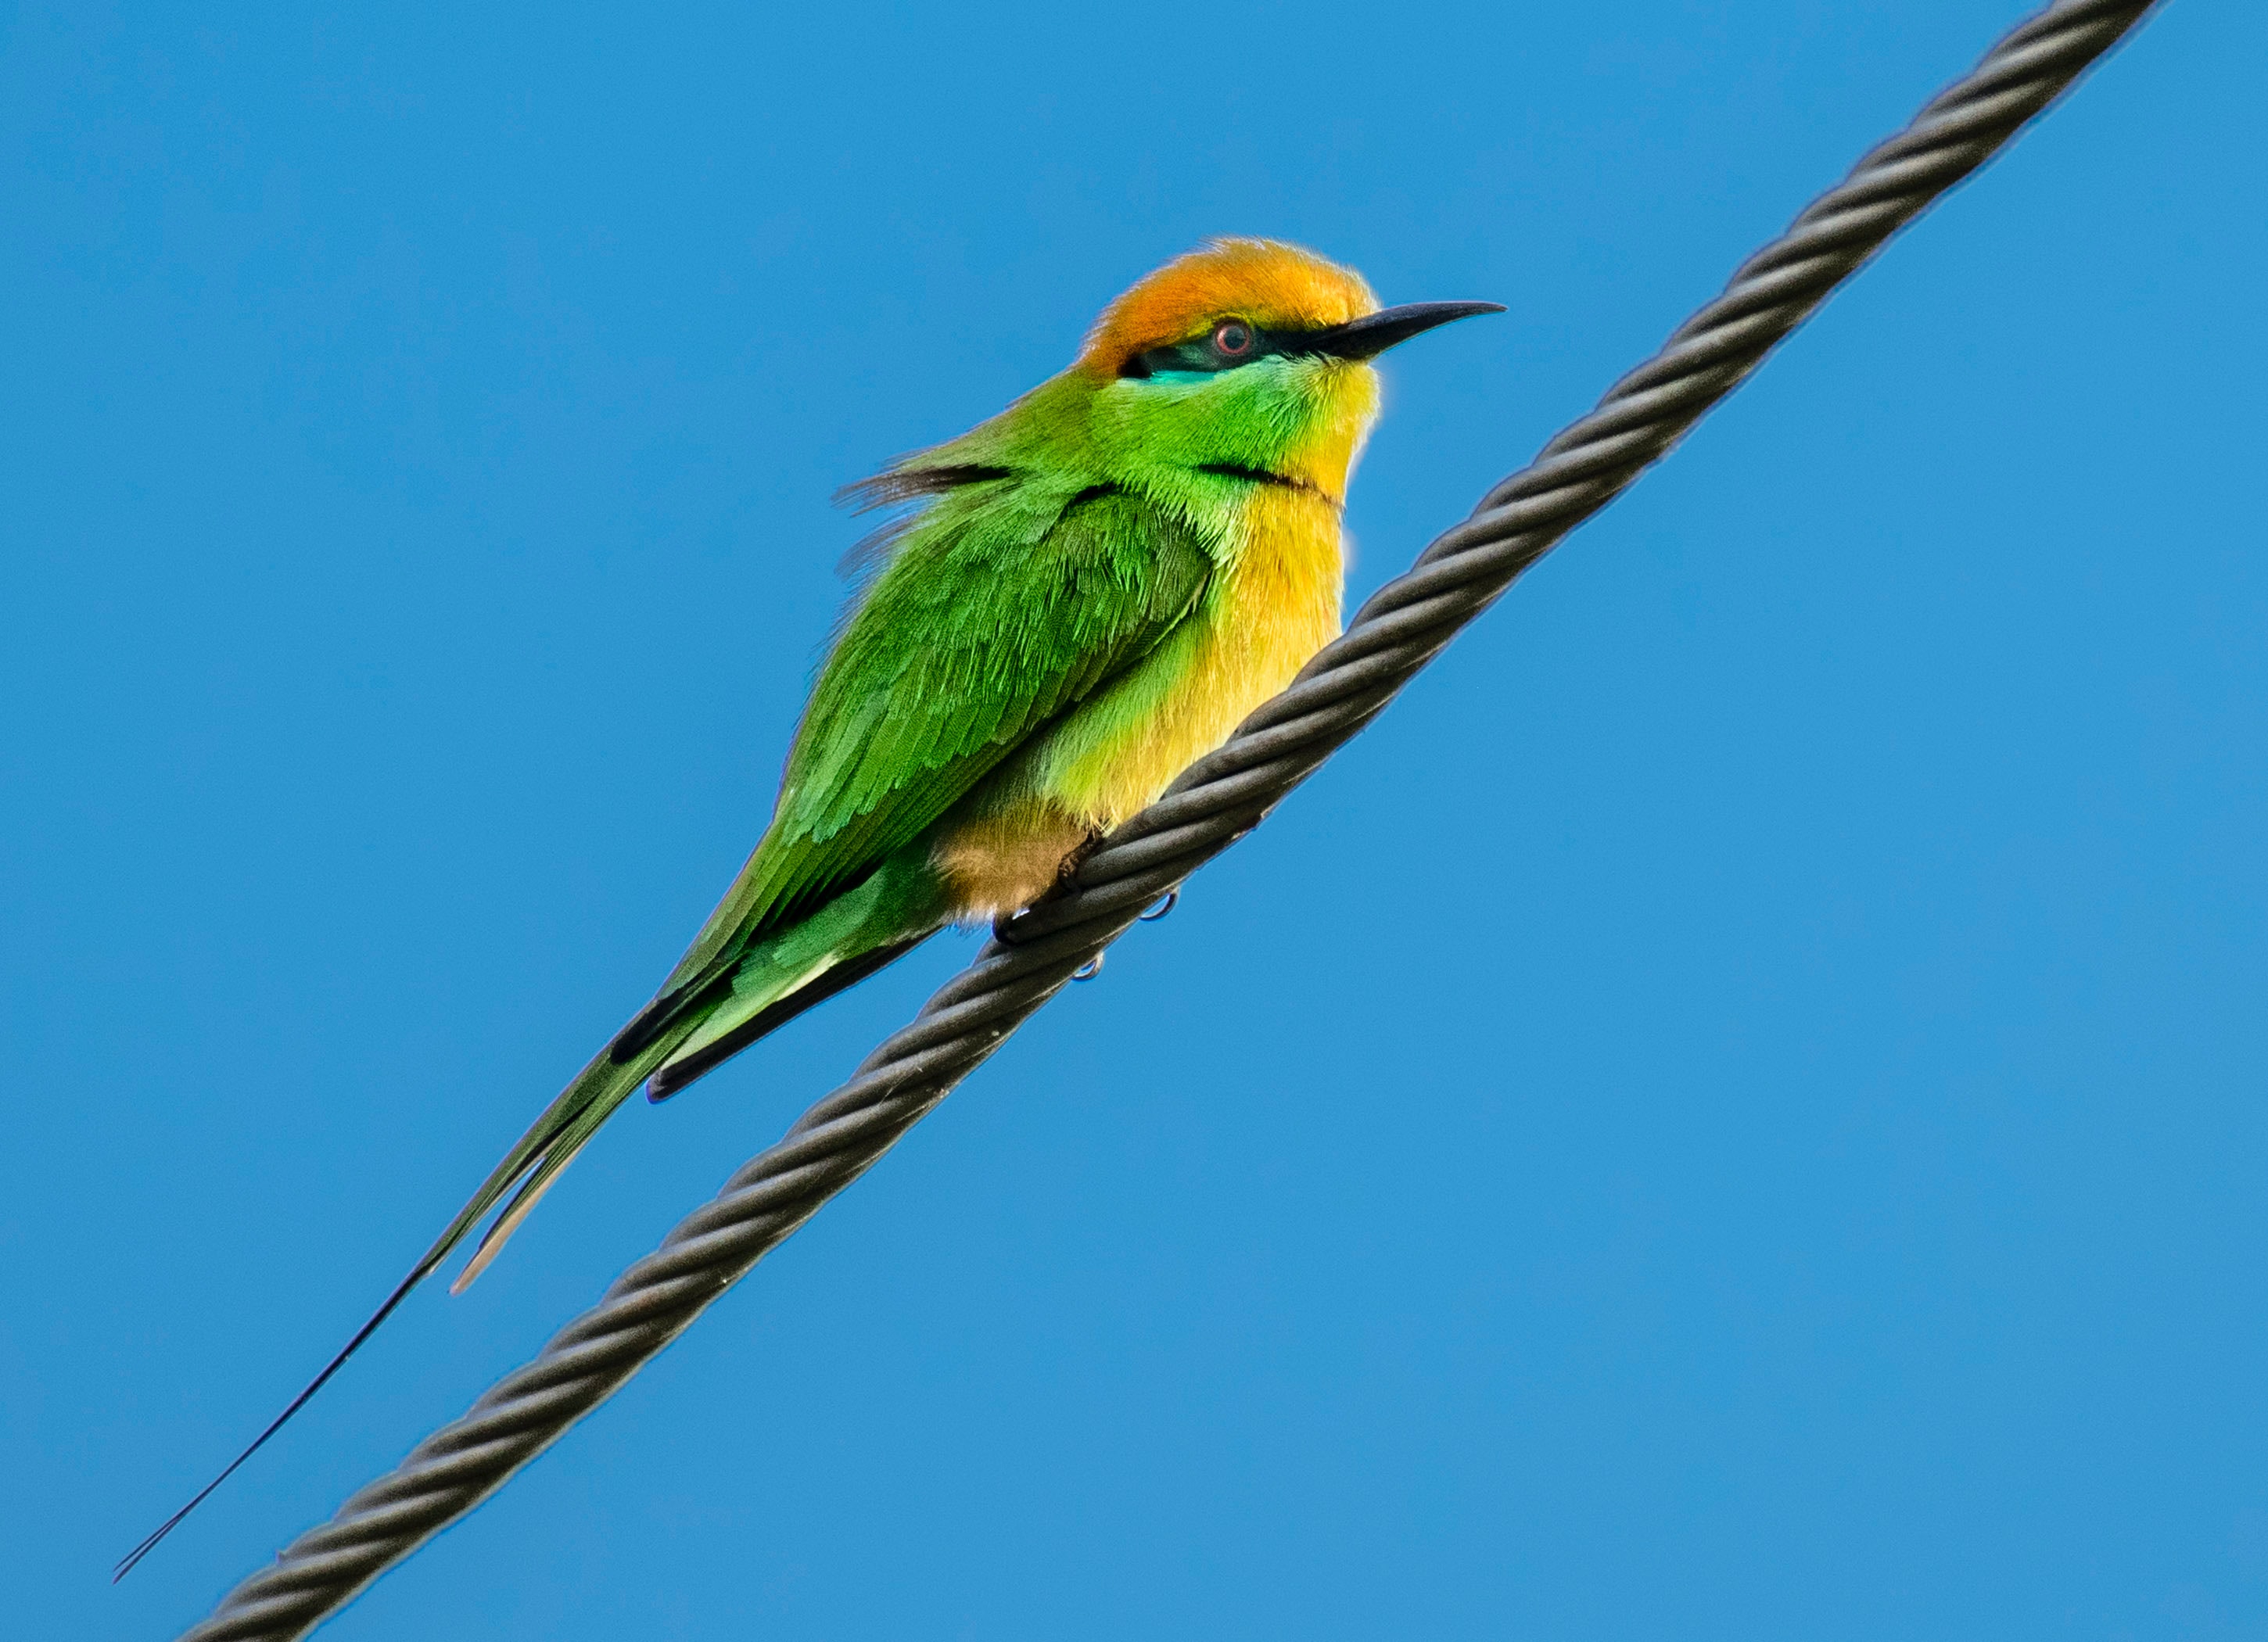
(1217, 801)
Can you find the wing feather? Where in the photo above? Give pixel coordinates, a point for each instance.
(980, 632)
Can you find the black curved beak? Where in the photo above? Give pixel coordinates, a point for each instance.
(1368, 337)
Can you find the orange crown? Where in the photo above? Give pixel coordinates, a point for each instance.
(1274, 285)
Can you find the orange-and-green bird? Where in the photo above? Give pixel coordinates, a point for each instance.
(1100, 582)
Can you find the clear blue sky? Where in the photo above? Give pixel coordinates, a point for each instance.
(1737, 1109)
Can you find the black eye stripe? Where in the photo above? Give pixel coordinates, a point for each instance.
(1207, 355)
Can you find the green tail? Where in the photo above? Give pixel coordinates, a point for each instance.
(769, 982)
(888, 915)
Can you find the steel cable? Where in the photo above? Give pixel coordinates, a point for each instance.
(1215, 802)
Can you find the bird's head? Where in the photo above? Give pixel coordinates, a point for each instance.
(1246, 358)
(1251, 355)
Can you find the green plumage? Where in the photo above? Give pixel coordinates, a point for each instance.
(1103, 579)
(1013, 599)
(998, 611)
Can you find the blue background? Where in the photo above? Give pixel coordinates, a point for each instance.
(1735, 1110)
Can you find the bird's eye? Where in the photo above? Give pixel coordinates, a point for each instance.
(1229, 343)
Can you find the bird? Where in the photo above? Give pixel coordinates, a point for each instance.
(1066, 607)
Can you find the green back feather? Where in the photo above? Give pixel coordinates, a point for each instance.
(1012, 602)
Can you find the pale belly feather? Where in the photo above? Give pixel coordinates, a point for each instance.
(1274, 601)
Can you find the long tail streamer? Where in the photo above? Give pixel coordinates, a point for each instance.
(1217, 801)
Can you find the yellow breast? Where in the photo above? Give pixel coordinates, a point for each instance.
(1273, 603)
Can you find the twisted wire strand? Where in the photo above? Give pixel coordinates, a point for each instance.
(1215, 802)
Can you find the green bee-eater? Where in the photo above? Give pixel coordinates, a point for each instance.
(1101, 582)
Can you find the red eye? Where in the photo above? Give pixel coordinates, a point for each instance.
(1232, 338)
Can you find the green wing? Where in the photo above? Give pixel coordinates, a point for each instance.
(981, 631)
